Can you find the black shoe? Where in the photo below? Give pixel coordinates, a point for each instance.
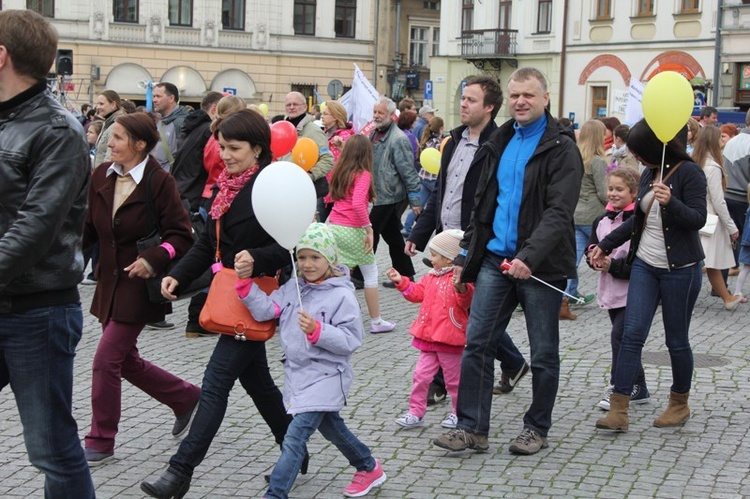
(427, 262)
(510, 380)
(182, 423)
(358, 283)
(169, 485)
(160, 325)
(435, 394)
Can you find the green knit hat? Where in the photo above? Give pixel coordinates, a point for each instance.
(320, 238)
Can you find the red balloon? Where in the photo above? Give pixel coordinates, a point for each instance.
(283, 138)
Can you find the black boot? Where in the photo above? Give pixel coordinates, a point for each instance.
(169, 485)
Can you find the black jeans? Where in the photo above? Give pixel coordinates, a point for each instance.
(386, 222)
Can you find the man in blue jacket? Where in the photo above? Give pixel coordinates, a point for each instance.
(449, 205)
(523, 215)
(44, 173)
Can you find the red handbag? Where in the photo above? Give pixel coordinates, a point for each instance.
(225, 313)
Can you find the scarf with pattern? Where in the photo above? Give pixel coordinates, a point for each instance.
(229, 186)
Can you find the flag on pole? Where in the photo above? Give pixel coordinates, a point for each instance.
(360, 100)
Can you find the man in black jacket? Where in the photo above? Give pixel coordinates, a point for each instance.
(523, 216)
(449, 205)
(44, 173)
(188, 170)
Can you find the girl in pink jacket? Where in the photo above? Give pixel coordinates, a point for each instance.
(612, 292)
(440, 327)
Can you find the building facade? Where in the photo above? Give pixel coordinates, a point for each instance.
(258, 49)
(733, 87)
(609, 43)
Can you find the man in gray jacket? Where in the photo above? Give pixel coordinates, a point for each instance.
(166, 103)
(44, 172)
(737, 166)
(395, 181)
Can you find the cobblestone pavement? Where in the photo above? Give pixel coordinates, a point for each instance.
(708, 457)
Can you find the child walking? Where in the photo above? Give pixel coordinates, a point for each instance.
(351, 191)
(317, 342)
(622, 188)
(440, 327)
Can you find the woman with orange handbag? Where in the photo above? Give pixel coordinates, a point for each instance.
(245, 144)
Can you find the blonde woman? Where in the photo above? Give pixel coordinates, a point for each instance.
(591, 201)
(717, 246)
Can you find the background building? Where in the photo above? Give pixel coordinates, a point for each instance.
(258, 49)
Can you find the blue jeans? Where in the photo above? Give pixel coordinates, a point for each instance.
(583, 234)
(230, 360)
(677, 290)
(304, 424)
(495, 298)
(427, 187)
(38, 347)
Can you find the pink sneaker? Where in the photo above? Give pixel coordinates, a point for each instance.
(364, 481)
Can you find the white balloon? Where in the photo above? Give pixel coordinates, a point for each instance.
(284, 202)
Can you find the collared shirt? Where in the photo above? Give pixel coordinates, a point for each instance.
(463, 155)
(126, 182)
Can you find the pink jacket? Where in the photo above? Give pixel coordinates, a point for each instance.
(352, 211)
(612, 292)
(444, 313)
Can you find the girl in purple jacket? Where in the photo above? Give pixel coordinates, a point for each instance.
(612, 292)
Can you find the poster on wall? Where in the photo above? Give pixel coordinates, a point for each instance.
(633, 111)
(745, 77)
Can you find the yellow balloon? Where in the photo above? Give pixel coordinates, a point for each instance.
(322, 106)
(442, 144)
(667, 104)
(263, 109)
(430, 160)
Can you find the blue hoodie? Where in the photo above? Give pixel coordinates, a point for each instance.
(510, 181)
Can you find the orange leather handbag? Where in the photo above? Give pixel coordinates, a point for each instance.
(224, 312)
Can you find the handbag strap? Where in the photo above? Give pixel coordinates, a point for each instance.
(217, 254)
(150, 201)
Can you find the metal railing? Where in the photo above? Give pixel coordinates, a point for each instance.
(488, 43)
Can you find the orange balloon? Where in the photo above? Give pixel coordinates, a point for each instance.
(442, 144)
(305, 153)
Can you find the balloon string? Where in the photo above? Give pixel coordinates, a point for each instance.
(296, 281)
(661, 175)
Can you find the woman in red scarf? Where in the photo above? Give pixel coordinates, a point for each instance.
(245, 145)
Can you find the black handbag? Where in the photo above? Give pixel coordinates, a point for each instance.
(153, 284)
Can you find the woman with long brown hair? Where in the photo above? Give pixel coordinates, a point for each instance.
(716, 246)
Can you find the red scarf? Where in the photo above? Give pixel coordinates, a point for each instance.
(229, 186)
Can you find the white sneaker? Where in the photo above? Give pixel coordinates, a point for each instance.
(382, 327)
(604, 402)
(450, 422)
(409, 420)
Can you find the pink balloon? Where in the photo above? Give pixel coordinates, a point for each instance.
(283, 138)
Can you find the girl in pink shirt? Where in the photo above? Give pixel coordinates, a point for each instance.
(352, 191)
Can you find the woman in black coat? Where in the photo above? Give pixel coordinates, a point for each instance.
(245, 141)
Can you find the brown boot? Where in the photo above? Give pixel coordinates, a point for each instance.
(565, 313)
(677, 411)
(617, 417)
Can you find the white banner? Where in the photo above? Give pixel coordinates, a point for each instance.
(633, 110)
(360, 100)
(620, 101)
